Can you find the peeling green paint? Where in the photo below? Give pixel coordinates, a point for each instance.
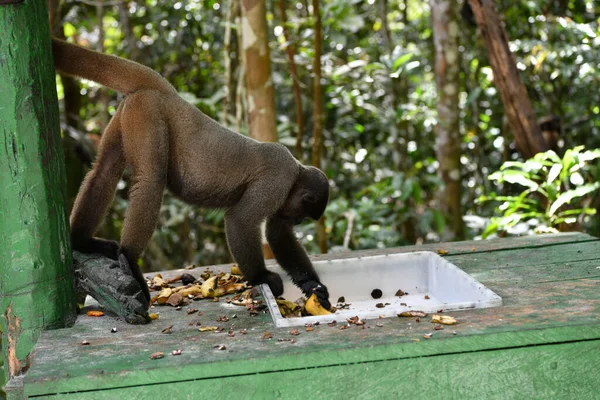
(35, 276)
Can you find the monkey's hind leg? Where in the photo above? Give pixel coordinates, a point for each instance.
(146, 145)
(97, 192)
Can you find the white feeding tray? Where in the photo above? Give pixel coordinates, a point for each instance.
(419, 274)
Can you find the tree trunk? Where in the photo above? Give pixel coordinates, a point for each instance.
(444, 16)
(261, 104)
(318, 116)
(295, 80)
(518, 108)
(102, 92)
(231, 12)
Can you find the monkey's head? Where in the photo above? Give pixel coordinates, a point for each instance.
(308, 197)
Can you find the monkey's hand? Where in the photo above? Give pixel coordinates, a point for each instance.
(313, 287)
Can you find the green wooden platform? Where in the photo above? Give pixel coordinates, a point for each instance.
(544, 342)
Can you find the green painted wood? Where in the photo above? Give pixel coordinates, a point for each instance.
(537, 311)
(473, 246)
(35, 258)
(557, 371)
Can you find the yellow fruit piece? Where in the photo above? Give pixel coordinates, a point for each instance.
(235, 270)
(313, 307)
(153, 316)
(208, 287)
(443, 319)
(164, 295)
(184, 291)
(207, 328)
(289, 309)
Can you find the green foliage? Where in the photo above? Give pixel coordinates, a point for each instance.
(557, 191)
(380, 101)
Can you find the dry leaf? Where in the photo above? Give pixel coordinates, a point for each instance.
(427, 335)
(294, 332)
(176, 352)
(222, 318)
(309, 329)
(220, 347)
(85, 343)
(95, 313)
(379, 305)
(174, 279)
(332, 323)
(400, 293)
(168, 330)
(175, 300)
(443, 319)
(243, 331)
(267, 335)
(191, 311)
(427, 297)
(157, 355)
(379, 324)
(438, 327)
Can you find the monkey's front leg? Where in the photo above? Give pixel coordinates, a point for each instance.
(245, 244)
(293, 259)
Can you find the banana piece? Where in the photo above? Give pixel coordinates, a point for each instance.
(313, 307)
(208, 287)
(235, 270)
(164, 295)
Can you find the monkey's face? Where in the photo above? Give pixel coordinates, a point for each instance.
(308, 198)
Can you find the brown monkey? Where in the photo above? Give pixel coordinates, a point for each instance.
(168, 143)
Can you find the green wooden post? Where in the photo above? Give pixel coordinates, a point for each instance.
(36, 290)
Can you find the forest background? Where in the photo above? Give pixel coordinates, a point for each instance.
(395, 100)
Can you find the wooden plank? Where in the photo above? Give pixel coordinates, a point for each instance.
(565, 370)
(533, 314)
(471, 246)
(109, 358)
(35, 263)
(557, 262)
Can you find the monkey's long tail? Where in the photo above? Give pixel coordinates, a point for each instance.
(113, 72)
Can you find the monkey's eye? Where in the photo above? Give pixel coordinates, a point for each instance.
(309, 198)
(298, 221)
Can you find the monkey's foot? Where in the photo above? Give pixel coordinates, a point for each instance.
(314, 287)
(112, 284)
(135, 271)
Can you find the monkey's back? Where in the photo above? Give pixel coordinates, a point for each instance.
(210, 165)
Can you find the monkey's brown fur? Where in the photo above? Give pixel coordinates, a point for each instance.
(169, 143)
